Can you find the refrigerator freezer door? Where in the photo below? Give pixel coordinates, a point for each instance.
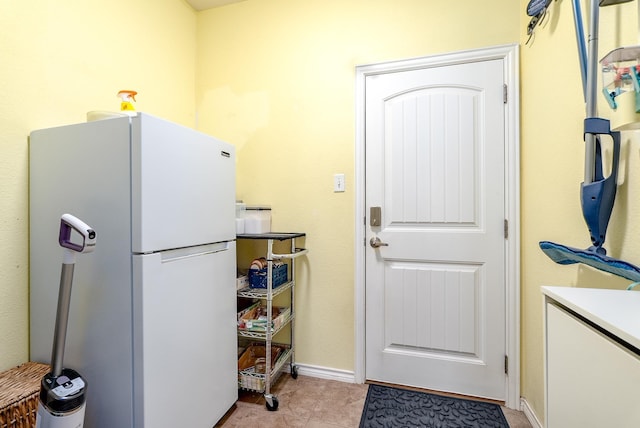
(184, 336)
(183, 186)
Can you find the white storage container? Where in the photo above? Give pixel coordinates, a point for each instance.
(621, 87)
(257, 220)
(241, 210)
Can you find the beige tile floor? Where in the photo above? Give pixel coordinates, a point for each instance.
(308, 402)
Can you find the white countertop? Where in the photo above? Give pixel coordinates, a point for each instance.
(617, 311)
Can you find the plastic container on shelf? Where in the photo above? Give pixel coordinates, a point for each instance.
(621, 87)
(241, 213)
(257, 220)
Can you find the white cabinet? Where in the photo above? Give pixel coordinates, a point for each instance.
(592, 360)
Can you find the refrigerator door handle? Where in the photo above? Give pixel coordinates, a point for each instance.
(190, 252)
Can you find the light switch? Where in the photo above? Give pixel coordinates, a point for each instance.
(338, 183)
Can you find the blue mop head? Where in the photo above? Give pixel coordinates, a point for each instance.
(567, 255)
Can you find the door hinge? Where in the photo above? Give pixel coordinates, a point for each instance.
(506, 364)
(506, 229)
(505, 93)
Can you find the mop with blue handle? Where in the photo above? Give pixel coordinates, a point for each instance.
(597, 192)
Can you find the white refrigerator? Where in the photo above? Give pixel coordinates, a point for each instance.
(152, 322)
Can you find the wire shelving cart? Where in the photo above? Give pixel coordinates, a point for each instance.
(262, 380)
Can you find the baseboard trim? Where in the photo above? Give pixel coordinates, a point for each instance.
(529, 413)
(326, 373)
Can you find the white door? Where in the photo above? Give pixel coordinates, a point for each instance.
(435, 165)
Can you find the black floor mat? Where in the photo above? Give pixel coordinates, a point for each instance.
(394, 407)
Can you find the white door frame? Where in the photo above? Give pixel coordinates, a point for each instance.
(510, 55)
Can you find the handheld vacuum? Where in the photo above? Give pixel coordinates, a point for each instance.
(62, 391)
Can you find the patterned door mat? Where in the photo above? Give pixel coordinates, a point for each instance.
(393, 407)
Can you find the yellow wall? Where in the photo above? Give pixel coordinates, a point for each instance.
(552, 168)
(60, 60)
(276, 78)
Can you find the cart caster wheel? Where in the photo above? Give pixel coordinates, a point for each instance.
(272, 403)
(294, 372)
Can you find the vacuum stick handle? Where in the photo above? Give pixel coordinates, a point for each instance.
(69, 223)
(62, 318)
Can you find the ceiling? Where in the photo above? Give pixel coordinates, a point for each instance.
(208, 4)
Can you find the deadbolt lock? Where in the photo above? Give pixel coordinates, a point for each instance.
(375, 216)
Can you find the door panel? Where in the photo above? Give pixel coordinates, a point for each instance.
(432, 178)
(435, 329)
(447, 324)
(435, 311)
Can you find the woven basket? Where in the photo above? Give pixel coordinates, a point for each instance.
(19, 388)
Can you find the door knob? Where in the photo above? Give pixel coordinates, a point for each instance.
(375, 242)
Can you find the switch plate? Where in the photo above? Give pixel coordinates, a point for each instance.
(338, 183)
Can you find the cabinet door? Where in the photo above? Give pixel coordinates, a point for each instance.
(592, 381)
